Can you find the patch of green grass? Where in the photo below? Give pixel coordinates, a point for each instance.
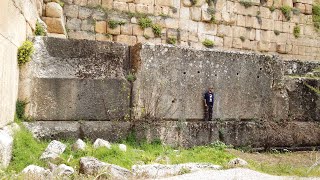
(208, 43)
(145, 22)
(296, 31)
(286, 11)
(115, 23)
(156, 28)
(316, 16)
(313, 88)
(246, 3)
(171, 40)
(24, 52)
(39, 30)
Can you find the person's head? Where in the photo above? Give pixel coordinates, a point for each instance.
(210, 89)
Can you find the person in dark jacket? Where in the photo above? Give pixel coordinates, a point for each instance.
(208, 103)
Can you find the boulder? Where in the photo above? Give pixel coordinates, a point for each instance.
(54, 10)
(237, 162)
(54, 149)
(62, 170)
(101, 143)
(160, 170)
(78, 145)
(35, 172)
(123, 147)
(6, 144)
(92, 166)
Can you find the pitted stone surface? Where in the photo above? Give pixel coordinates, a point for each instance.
(101, 143)
(6, 144)
(53, 150)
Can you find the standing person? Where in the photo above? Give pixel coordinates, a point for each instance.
(208, 103)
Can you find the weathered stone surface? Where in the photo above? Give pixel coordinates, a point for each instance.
(101, 143)
(73, 11)
(73, 80)
(63, 170)
(159, 170)
(237, 162)
(84, 12)
(53, 150)
(81, 35)
(87, 25)
(123, 147)
(78, 145)
(101, 27)
(73, 24)
(55, 35)
(6, 144)
(55, 25)
(92, 166)
(130, 40)
(54, 10)
(35, 172)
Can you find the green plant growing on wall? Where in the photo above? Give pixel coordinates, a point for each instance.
(276, 32)
(286, 11)
(146, 36)
(145, 22)
(156, 28)
(313, 88)
(296, 31)
(208, 43)
(115, 23)
(39, 30)
(193, 2)
(295, 11)
(131, 77)
(259, 17)
(242, 38)
(24, 52)
(246, 3)
(212, 12)
(316, 16)
(272, 8)
(171, 40)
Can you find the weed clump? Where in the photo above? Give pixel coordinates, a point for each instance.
(114, 23)
(208, 43)
(156, 28)
(296, 31)
(24, 52)
(145, 22)
(286, 11)
(316, 16)
(172, 40)
(246, 3)
(39, 30)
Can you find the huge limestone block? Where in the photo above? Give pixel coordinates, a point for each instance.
(92, 166)
(55, 25)
(28, 9)
(6, 144)
(54, 10)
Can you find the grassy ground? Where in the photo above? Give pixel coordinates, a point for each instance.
(27, 151)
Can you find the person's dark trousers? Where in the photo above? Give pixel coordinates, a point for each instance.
(210, 110)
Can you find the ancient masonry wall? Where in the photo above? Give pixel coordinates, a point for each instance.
(17, 21)
(261, 27)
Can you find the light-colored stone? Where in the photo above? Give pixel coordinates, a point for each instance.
(172, 23)
(195, 13)
(73, 24)
(123, 147)
(237, 162)
(237, 43)
(263, 46)
(94, 3)
(114, 31)
(148, 2)
(63, 170)
(78, 145)
(54, 10)
(101, 27)
(101, 143)
(308, 9)
(266, 24)
(164, 2)
(136, 30)
(184, 13)
(224, 30)
(62, 36)
(71, 11)
(188, 25)
(108, 4)
(84, 12)
(103, 37)
(53, 150)
(35, 172)
(130, 40)
(87, 25)
(187, 3)
(80, 2)
(6, 144)
(159, 170)
(99, 15)
(55, 25)
(132, 7)
(121, 6)
(241, 20)
(92, 166)
(207, 28)
(148, 32)
(126, 29)
(141, 8)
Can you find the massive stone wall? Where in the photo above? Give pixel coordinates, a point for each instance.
(76, 80)
(17, 21)
(261, 27)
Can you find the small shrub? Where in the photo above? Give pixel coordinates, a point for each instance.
(296, 31)
(246, 3)
(213, 19)
(39, 30)
(156, 28)
(114, 23)
(276, 32)
(208, 43)
(20, 109)
(145, 22)
(24, 52)
(242, 38)
(131, 77)
(316, 16)
(272, 8)
(286, 11)
(193, 2)
(295, 11)
(172, 40)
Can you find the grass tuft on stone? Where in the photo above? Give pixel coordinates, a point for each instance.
(145, 22)
(316, 16)
(246, 3)
(208, 43)
(25, 52)
(286, 11)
